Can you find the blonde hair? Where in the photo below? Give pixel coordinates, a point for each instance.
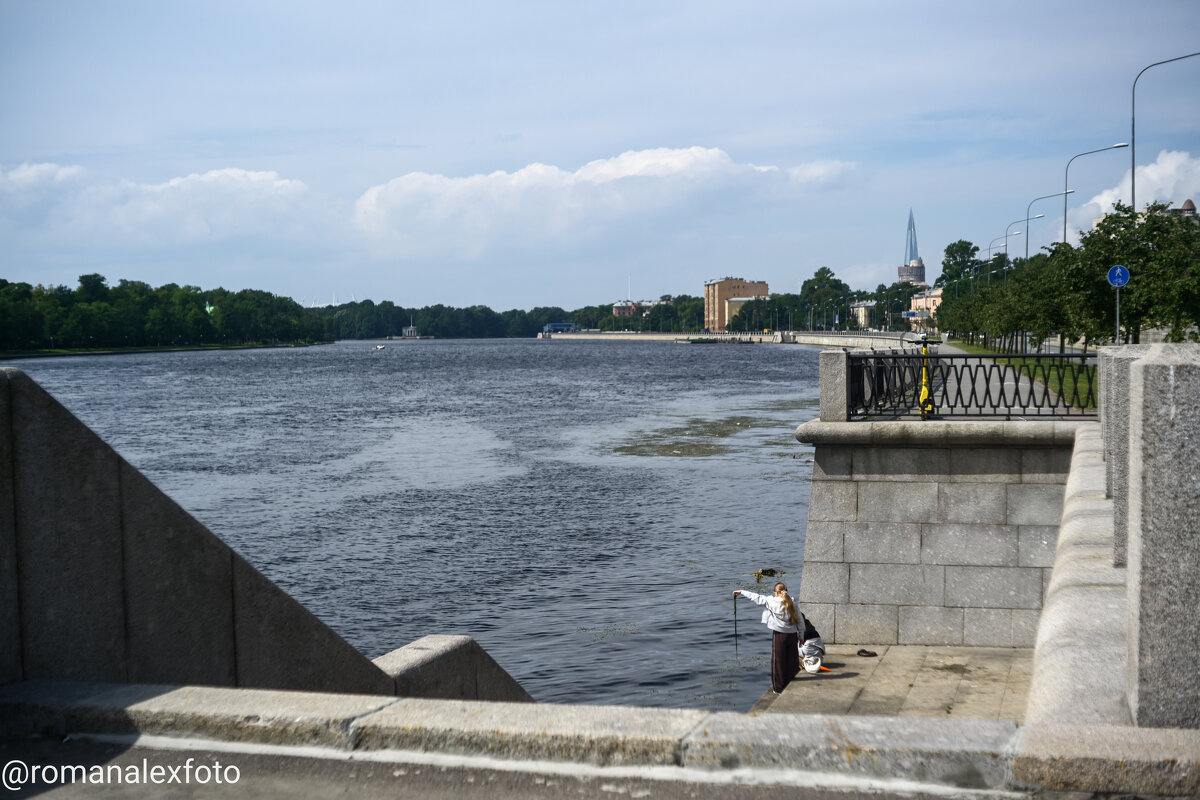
(788, 606)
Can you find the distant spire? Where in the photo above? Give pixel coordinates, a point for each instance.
(910, 243)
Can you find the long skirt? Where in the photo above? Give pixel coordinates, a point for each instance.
(785, 659)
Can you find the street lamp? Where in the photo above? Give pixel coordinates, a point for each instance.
(1133, 135)
(1018, 233)
(1031, 202)
(1068, 169)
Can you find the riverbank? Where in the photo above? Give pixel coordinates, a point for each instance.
(120, 351)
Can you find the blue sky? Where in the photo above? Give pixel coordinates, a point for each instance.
(525, 154)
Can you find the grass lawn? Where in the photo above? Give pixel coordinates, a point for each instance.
(1058, 375)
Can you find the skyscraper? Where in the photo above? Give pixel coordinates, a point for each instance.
(913, 268)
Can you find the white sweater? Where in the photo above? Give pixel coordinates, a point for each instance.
(773, 616)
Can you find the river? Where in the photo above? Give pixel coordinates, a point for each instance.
(583, 509)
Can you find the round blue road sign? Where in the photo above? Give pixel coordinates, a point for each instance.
(1118, 276)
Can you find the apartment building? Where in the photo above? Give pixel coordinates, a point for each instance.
(717, 296)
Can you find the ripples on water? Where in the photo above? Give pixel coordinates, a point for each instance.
(583, 509)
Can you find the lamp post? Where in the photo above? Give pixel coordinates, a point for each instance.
(1031, 202)
(1133, 134)
(989, 249)
(1018, 233)
(1068, 170)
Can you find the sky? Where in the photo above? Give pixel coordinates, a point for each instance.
(565, 154)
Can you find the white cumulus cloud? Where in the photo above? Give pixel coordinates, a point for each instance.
(545, 206)
(1172, 178)
(67, 203)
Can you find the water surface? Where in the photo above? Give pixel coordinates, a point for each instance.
(583, 509)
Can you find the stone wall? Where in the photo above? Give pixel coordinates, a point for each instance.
(1162, 521)
(932, 532)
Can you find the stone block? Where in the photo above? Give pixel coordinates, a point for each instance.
(1036, 545)
(1025, 627)
(178, 591)
(599, 735)
(823, 618)
(900, 463)
(68, 536)
(450, 668)
(887, 501)
(1114, 423)
(10, 619)
(953, 754)
(227, 715)
(833, 501)
(882, 543)
(931, 625)
(984, 465)
(823, 541)
(824, 583)
(897, 584)
(1164, 529)
(988, 627)
(994, 587)
(281, 645)
(969, 545)
(862, 624)
(831, 463)
(1106, 760)
(834, 386)
(976, 503)
(1034, 504)
(1045, 464)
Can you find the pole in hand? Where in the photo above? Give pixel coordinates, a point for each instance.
(735, 642)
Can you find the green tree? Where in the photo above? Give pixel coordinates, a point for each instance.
(958, 261)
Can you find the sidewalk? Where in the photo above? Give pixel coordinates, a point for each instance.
(987, 683)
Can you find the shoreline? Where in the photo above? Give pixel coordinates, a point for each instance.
(109, 351)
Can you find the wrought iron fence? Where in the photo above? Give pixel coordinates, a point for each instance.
(936, 386)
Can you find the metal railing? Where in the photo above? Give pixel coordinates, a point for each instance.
(934, 386)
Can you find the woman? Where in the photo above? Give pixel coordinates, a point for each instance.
(781, 616)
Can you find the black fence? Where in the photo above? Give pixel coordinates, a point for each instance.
(934, 386)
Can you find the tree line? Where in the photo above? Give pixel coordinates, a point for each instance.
(1065, 293)
(132, 314)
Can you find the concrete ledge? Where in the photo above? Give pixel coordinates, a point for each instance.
(601, 735)
(827, 750)
(229, 715)
(450, 668)
(1079, 659)
(965, 754)
(1093, 758)
(941, 434)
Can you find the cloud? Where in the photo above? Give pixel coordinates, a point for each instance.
(68, 204)
(821, 173)
(29, 177)
(1172, 178)
(540, 205)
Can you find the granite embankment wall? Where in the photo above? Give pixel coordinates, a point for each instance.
(947, 532)
(105, 578)
(932, 532)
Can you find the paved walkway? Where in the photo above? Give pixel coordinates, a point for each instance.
(911, 681)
